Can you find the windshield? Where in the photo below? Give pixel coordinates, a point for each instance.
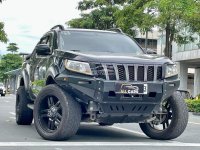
(1, 84)
(97, 42)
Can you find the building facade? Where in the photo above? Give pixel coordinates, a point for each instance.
(187, 57)
(12, 82)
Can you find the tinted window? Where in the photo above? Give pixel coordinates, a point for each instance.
(44, 40)
(98, 42)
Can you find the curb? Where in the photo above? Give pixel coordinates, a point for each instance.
(196, 113)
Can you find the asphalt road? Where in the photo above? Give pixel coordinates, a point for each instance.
(90, 136)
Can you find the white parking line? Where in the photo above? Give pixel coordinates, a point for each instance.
(12, 113)
(137, 132)
(127, 130)
(12, 118)
(102, 144)
(194, 123)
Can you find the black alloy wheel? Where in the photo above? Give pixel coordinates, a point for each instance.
(57, 114)
(164, 118)
(171, 122)
(50, 113)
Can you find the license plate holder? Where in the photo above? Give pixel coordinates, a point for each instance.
(131, 88)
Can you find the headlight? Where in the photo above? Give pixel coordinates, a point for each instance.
(77, 66)
(171, 70)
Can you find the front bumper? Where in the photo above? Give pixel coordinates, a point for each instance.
(100, 96)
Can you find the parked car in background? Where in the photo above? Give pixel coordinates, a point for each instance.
(2, 89)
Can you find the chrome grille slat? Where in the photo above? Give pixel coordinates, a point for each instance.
(116, 71)
(106, 71)
(135, 72)
(155, 72)
(126, 72)
(145, 72)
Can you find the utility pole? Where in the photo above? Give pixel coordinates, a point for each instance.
(112, 2)
(146, 40)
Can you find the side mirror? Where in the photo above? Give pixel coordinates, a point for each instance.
(43, 49)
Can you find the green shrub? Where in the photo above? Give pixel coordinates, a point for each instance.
(193, 105)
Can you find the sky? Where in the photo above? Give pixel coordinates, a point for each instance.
(27, 20)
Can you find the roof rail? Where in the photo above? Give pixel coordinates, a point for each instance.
(61, 27)
(116, 30)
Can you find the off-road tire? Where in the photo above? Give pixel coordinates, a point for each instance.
(178, 123)
(71, 114)
(24, 115)
(3, 95)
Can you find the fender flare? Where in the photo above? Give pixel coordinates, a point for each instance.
(52, 72)
(26, 79)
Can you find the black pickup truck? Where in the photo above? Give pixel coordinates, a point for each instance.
(80, 75)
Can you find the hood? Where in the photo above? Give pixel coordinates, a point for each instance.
(106, 57)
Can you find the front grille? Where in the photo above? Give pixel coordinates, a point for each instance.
(159, 72)
(100, 71)
(111, 72)
(140, 73)
(128, 72)
(121, 71)
(150, 73)
(131, 73)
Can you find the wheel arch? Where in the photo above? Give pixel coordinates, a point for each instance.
(50, 80)
(51, 74)
(21, 82)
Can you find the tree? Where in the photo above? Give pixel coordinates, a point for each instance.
(9, 62)
(172, 16)
(12, 47)
(142, 17)
(3, 36)
(100, 16)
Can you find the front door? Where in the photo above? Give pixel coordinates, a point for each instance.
(39, 68)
